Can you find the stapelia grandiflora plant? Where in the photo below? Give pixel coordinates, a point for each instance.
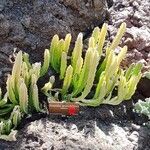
(22, 93)
(91, 80)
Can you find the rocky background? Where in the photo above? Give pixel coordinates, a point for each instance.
(136, 14)
(29, 25)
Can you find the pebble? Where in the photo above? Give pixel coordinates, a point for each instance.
(135, 127)
(126, 129)
(74, 128)
(133, 136)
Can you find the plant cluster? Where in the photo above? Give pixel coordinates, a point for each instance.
(105, 77)
(143, 107)
(22, 93)
(89, 80)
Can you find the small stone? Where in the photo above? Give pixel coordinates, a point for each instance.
(135, 4)
(134, 136)
(26, 21)
(135, 127)
(126, 129)
(74, 127)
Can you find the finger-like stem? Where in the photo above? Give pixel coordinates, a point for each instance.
(67, 80)
(26, 60)
(53, 47)
(67, 43)
(118, 36)
(34, 97)
(95, 34)
(102, 37)
(84, 73)
(10, 90)
(23, 97)
(77, 51)
(92, 42)
(63, 65)
(16, 116)
(4, 100)
(46, 63)
(16, 72)
(91, 74)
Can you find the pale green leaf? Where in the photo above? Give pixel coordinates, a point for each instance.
(10, 137)
(67, 43)
(95, 34)
(92, 43)
(10, 90)
(26, 60)
(16, 116)
(4, 100)
(63, 65)
(122, 54)
(84, 73)
(46, 63)
(67, 80)
(118, 36)
(57, 55)
(53, 47)
(102, 37)
(91, 74)
(23, 97)
(77, 51)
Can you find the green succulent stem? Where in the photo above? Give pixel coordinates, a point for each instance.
(67, 80)
(46, 63)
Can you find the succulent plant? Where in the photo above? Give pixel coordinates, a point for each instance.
(22, 93)
(89, 80)
(143, 107)
(22, 84)
(7, 126)
(81, 74)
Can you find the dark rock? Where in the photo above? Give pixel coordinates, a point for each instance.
(110, 3)
(4, 26)
(144, 87)
(30, 25)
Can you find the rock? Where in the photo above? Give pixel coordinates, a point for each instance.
(110, 3)
(134, 136)
(34, 23)
(137, 38)
(79, 132)
(30, 25)
(135, 127)
(4, 26)
(141, 38)
(39, 135)
(144, 87)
